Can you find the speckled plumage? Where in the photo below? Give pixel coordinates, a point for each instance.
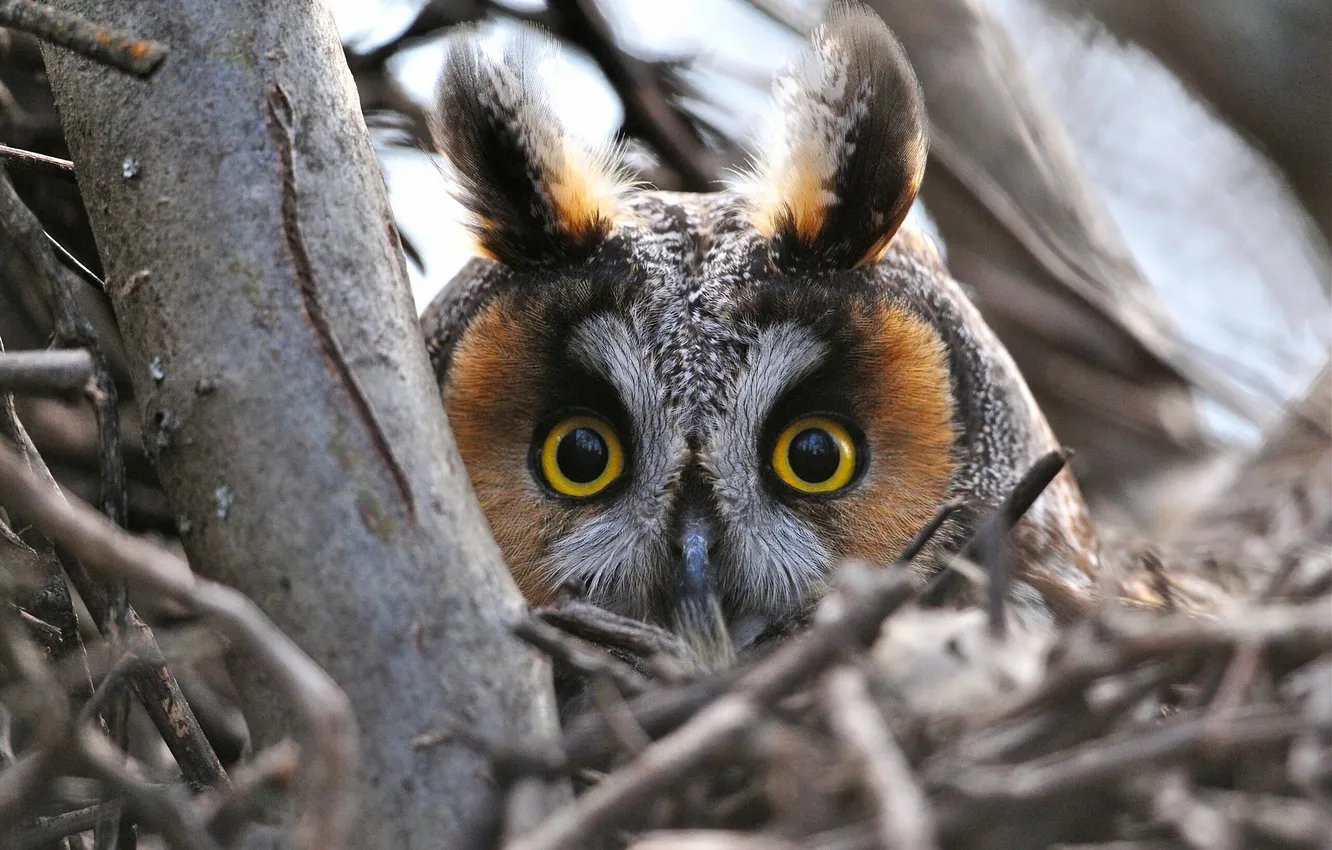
(698, 324)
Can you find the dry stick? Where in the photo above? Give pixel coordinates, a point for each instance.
(112, 833)
(610, 703)
(169, 814)
(901, 808)
(589, 744)
(51, 632)
(1146, 639)
(114, 47)
(585, 620)
(624, 794)
(992, 534)
(1244, 667)
(72, 330)
(1103, 760)
(321, 705)
(48, 831)
(45, 372)
(111, 828)
(32, 161)
(580, 655)
(55, 598)
(162, 698)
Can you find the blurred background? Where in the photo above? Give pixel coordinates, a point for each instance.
(1138, 195)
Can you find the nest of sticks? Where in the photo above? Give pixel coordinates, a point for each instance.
(1169, 719)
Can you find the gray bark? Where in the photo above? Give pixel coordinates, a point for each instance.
(244, 226)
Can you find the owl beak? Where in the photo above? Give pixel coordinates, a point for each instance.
(698, 613)
(697, 583)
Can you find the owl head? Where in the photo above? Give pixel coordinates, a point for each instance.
(693, 407)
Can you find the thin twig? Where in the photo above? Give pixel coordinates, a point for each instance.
(901, 809)
(579, 655)
(29, 160)
(74, 263)
(590, 622)
(160, 694)
(996, 528)
(48, 830)
(1146, 639)
(113, 47)
(72, 329)
(157, 689)
(610, 702)
(1101, 761)
(154, 804)
(623, 794)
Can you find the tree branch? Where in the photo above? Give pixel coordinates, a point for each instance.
(116, 48)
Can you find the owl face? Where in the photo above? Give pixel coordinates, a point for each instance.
(691, 408)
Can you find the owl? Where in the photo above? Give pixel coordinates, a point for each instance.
(693, 407)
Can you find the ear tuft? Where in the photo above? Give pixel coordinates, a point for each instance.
(533, 193)
(845, 153)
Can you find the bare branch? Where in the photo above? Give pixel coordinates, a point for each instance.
(14, 157)
(114, 47)
(45, 372)
(901, 808)
(580, 655)
(48, 830)
(622, 795)
(1101, 761)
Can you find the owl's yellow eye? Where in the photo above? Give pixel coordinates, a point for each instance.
(581, 456)
(815, 454)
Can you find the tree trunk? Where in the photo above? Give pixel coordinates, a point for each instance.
(251, 258)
